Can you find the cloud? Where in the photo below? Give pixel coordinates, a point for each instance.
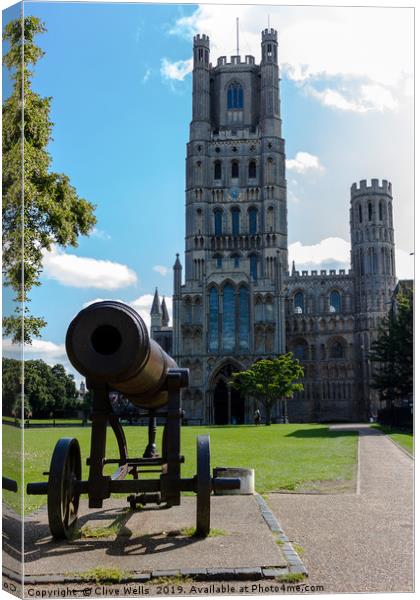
(100, 234)
(334, 253)
(38, 348)
(146, 76)
(368, 51)
(303, 162)
(330, 253)
(83, 272)
(142, 305)
(176, 70)
(365, 98)
(161, 270)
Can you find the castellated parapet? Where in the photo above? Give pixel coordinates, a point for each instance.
(269, 35)
(375, 188)
(201, 39)
(321, 273)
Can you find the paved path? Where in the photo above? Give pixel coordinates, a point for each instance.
(361, 542)
(150, 540)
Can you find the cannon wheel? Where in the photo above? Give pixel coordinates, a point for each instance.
(203, 485)
(63, 498)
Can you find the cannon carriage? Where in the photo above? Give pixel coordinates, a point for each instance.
(108, 343)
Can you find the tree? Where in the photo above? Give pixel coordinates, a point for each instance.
(392, 351)
(40, 208)
(268, 380)
(46, 388)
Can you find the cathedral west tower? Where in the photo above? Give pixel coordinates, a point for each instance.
(230, 310)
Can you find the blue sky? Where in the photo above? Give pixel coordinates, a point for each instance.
(119, 76)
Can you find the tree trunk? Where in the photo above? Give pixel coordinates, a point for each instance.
(267, 406)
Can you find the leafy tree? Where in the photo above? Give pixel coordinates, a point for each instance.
(46, 388)
(268, 380)
(11, 384)
(392, 351)
(40, 208)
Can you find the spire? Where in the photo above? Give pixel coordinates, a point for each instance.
(156, 310)
(293, 268)
(177, 264)
(165, 314)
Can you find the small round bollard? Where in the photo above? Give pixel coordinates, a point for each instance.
(247, 477)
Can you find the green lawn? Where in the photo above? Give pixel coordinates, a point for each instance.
(283, 456)
(402, 438)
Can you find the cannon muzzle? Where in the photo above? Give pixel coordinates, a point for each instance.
(108, 342)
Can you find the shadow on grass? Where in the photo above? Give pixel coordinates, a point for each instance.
(321, 432)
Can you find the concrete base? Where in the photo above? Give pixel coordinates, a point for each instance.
(247, 477)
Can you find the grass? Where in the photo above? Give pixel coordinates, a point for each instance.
(114, 529)
(283, 456)
(291, 578)
(191, 532)
(403, 438)
(104, 575)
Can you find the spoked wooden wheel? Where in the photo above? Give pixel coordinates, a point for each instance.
(63, 496)
(203, 485)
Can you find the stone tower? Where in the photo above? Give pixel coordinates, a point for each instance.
(230, 310)
(373, 266)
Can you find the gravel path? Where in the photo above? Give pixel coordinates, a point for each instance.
(360, 542)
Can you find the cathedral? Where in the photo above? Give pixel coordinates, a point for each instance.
(239, 301)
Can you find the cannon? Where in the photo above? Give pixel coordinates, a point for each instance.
(108, 343)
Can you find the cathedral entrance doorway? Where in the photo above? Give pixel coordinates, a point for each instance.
(228, 404)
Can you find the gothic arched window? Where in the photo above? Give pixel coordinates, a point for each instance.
(337, 350)
(243, 318)
(235, 96)
(218, 170)
(300, 350)
(360, 213)
(218, 259)
(298, 303)
(370, 211)
(213, 320)
(236, 260)
(252, 169)
(228, 318)
(381, 211)
(253, 266)
(335, 301)
(217, 222)
(235, 169)
(252, 217)
(235, 220)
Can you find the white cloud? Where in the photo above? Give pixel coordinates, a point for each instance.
(83, 272)
(365, 98)
(100, 234)
(334, 253)
(330, 253)
(370, 50)
(146, 76)
(303, 162)
(161, 270)
(142, 305)
(176, 70)
(38, 348)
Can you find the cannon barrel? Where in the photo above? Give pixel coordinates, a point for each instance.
(108, 342)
